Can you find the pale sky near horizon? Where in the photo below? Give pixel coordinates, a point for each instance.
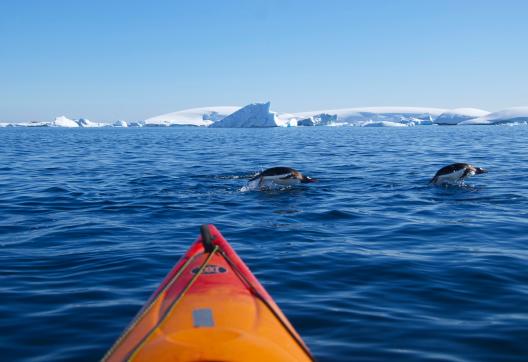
(130, 60)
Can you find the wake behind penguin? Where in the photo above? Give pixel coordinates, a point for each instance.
(277, 178)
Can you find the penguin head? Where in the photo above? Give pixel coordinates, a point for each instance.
(479, 170)
(306, 179)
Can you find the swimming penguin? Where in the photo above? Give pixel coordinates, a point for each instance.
(455, 173)
(285, 176)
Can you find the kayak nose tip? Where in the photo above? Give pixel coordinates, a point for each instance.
(207, 238)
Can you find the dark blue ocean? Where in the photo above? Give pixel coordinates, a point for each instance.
(369, 264)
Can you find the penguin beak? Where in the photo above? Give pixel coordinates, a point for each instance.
(481, 170)
(307, 179)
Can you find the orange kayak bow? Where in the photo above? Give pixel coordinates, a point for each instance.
(210, 307)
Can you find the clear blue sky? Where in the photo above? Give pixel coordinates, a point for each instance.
(109, 60)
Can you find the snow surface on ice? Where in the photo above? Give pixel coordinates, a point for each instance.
(63, 121)
(119, 124)
(192, 117)
(383, 124)
(509, 115)
(323, 119)
(356, 116)
(259, 115)
(85, 123)
(455, 116)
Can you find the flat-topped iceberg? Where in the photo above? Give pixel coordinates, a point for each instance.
(256, 115)
(191, 117)
(358, 116)
(455, 116)
(515, 115)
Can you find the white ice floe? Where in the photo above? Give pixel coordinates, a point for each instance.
(455, 116)
(256, 115)
(515, 115)
(191, 117)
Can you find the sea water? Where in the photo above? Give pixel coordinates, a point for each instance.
(370, 263)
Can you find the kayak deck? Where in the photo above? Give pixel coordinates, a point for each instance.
(210, 307)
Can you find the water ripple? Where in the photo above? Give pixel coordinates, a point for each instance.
(370, 263)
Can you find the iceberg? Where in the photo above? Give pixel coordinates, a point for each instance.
(256, 115)
(455, 116)
(26, 124)
(119, 124)
(515, 115)
(32, 124)
(259, 115)
(62, 121)
(201, 117)
(135, 124)
(358, 116)
(85, 123)
(417, 122)
(323, 119)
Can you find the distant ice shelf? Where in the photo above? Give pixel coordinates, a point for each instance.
(200, 117)
(515, 115)
(260, 115)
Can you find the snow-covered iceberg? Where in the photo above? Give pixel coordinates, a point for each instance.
(256, 115)
(455, 116)
(30, 124)
(63, 121)
(259, 115)
(358, 116)
(323, 119)
(85, 123)
(191, 117)
(411, 121)
(517, 115)
(119, 124)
